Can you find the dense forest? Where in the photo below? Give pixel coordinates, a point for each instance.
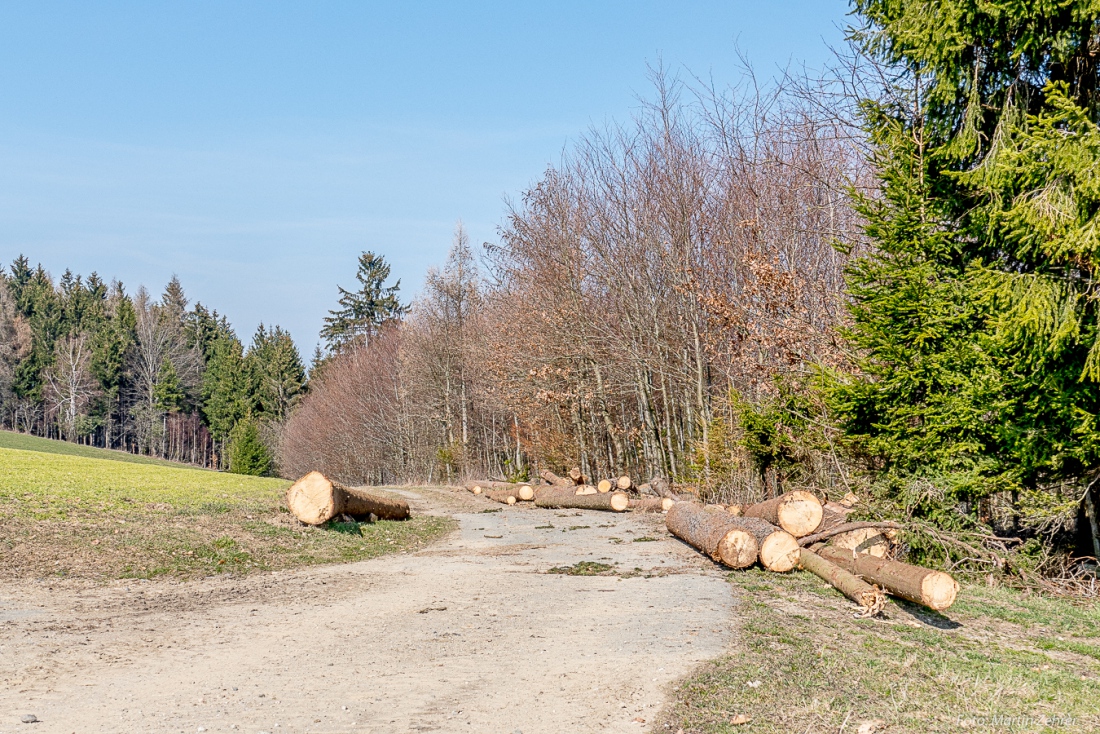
(82, 360)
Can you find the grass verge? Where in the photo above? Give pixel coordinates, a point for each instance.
(997, 661)
(77, 517)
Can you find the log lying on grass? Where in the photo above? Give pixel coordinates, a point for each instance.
(778, 548)
(651, 504)
(870, 598)
(475, 488)
(567, 498)
(522, 492)
(797, 512)
(718, 535)
(934, 589)
(314, 499)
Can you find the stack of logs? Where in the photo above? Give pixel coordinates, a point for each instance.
(794, 530)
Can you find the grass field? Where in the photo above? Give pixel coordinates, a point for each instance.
(10, 440)
(997, 661)
(74, 516)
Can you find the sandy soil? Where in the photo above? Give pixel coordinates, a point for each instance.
(470, 635)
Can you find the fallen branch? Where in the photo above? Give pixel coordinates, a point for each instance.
(844, 528)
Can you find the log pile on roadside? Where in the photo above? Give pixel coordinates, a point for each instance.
(794, 530)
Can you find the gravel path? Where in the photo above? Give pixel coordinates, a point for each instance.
(470, 635)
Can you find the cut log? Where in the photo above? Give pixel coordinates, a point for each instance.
(797, 512)
(504, 496)
(778, 548)
(624, 483)
(849, 500)
(577, 476)
(873, 542)
(870, 598)
(651, 504)
(735, 509)
(717, 535)
(604, 486)
(586, 489)
(934, 589)
(851, 534)
(717, 508)
(553, 479)
(661, 488)
(567, 498)
(645, 489)
(522, 491)
(314, 499)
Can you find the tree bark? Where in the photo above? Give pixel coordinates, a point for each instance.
(797, 512)
(870, 598)
(567, 498)
(523, 492)
(716, 534)
(314, 499)
(843, 529)
(661, 488)
(934, 589)
(503, 496)
(651, 504)
(778, 548)
(553, 479)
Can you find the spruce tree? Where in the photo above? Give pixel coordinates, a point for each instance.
(975, 316)
(362, 312)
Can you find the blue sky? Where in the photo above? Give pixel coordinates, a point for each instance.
(255, 148)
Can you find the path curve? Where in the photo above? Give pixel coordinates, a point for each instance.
(469, 635)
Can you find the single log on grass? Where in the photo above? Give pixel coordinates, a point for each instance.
(624, 483)
(870, 598)
(476, 488)
(604, 486)
(553, 479)
(315, 499)
(651, 504)
(778, 548)
(934, 589)
(503, 496)
(717, 535)
(567, 498)
(797, 512)
(577, 477)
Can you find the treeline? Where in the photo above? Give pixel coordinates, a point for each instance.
(883, 283)
(640, 294)
(84, 361)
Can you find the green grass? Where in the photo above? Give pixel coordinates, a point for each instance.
(71, 516)
(10, 440)
(999, 660)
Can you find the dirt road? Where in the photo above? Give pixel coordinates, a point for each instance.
(470, 635)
